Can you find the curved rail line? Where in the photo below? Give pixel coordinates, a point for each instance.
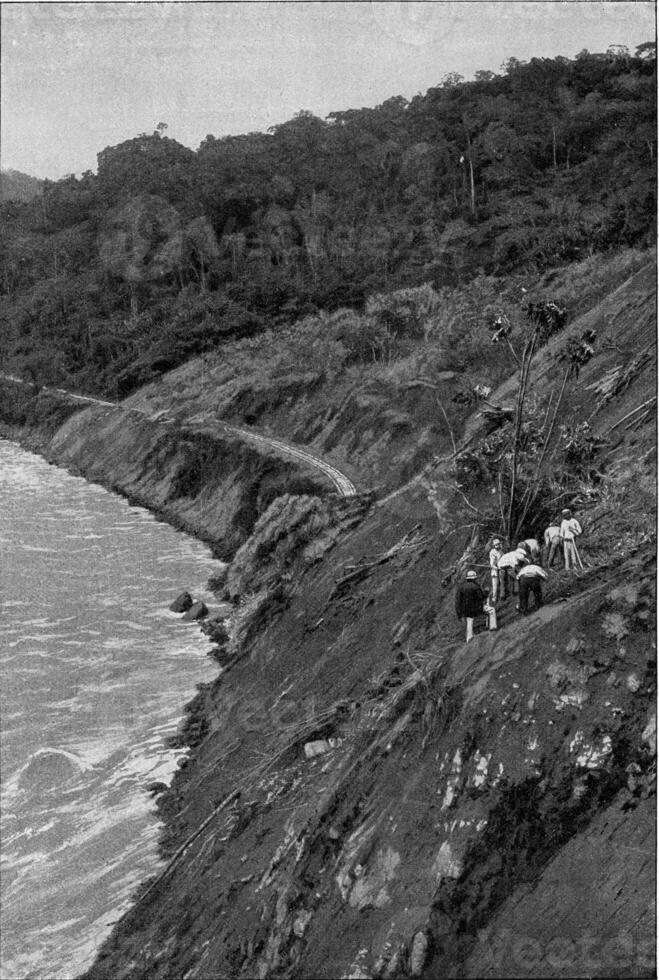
(344, 486)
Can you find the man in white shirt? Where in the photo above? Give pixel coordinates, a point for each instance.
(531, 547)
(507, 567)
(496, 552)
(529, 579)
(570, 529)
(552, 538)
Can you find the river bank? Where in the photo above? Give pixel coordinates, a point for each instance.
(208, 483)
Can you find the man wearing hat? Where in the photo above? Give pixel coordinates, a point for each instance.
(570, 529)
(469, 601)
(496, 551)
(529, 579)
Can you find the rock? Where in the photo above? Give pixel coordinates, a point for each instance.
(301, 922)
(446, 864)
(182, 603)
(649, 735)
(198, 610)
(393, 967)
(633, 683)
(633, 771)
(576, 645)
(156, 788)
(216, 582)
(215, 629)
(319, 747)
(418, 954)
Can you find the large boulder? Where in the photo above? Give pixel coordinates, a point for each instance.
(198, 610)
(182, 603)
(216, 630)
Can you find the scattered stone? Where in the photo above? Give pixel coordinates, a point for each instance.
(198, 610)
(573, 699)
(182, 603)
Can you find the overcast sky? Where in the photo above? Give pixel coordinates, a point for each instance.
(77, 77)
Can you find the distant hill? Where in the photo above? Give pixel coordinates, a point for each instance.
(16, 186)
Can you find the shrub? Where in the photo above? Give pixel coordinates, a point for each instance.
(406, 312)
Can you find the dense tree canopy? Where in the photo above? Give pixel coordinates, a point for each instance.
(170, 250)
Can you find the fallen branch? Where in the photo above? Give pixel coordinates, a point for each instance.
(455, 451)
(360, 571)
(633, 412)
(186, 844)
(419, 383)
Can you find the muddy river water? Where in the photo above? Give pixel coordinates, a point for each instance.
(94, 675)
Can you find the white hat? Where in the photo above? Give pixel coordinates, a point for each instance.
(471, 575)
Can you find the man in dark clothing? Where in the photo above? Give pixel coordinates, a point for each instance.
(469, 601)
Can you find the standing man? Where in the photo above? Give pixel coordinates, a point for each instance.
(530, 578)
(469, 601)
(552, 538)
(570, 529)
(496, 551)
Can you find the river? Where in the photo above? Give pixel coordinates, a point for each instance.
(94, 675)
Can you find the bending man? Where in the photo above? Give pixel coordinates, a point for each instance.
(530, 578)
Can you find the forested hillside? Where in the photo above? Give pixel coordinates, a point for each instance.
(16, 186)
(111, 279)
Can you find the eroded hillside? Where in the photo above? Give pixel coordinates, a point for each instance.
(384, 412)
(464, 800)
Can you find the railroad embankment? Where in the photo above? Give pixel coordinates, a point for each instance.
(205, 480)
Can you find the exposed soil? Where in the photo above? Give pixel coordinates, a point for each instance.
(481, 809)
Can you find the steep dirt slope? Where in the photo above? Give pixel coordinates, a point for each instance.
(456, 786)
(380, 423)
(457, 776)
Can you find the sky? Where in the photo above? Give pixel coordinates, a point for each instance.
(77, 77)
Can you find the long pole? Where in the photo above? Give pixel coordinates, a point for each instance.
(576, 551)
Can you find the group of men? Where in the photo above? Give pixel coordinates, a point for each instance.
(524, 567)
